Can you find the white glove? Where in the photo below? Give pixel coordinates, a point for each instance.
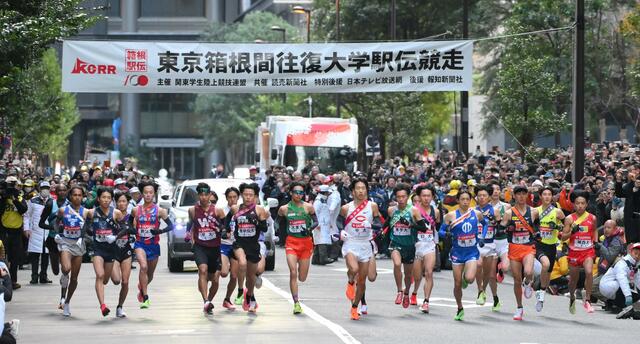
(79, 242)
(57, 239)
(374, 246)
(344, 236)
(111, 238)
(276, 239)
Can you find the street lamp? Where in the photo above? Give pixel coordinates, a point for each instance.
(283, 30)
(307, 12)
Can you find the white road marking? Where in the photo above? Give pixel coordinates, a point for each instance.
(338, 330)
(467, 304)
(381, 271)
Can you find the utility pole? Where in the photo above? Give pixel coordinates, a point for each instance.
(464, 111)
(578, 94)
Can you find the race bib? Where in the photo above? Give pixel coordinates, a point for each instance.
(246, 230)
(520, 238)
(206, 234)
(145, 232)
(101, 234)
(297, 226)
(546, 233)
(122, 242)
(467, 240)
(583, 243)
(360, 230)
(490, 232)
(72, 232)
(401, 231)
(428, 236)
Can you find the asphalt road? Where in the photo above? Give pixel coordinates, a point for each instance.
(175, 315)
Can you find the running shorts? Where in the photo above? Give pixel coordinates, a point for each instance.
(299, 247)
(577, 258)
(548, 251)
(227, 250)
(424, 248)
(362, 250)
(519, 252)
(502, 247)
(123, 253)
(461, 256)
(488, 250)
(251, 251)
(107, 252)
(209, 256)
(71, 246)
(152, 251)
(407, 253)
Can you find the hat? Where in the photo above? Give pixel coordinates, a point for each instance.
(324, 188)
(98, 168)
(29, 183)
(634, 246)
(519, 188)
(44, 185)
(538, 183)
(328, 180)
(119, 181)
(289, 168)
(108, 182)
(471, 182)
(253, 168)
(84, 168)
(134, 190)
(455, 184)
(11, 179)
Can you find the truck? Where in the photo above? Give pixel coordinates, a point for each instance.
(332, 143)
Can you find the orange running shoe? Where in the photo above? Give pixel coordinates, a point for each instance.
(414, 299)
(351, 291)
(354, 313)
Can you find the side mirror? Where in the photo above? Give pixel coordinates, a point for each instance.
(165, 197)
(274, 154)
(272, 202)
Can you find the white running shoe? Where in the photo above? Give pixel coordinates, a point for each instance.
(258, 282)
(120, 313)
(66, 310)
(362, 309)
(61, 304)
(540, 300)
(518, 314)
(528, 290)
(15, 327)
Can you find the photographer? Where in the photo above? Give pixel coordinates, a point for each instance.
(631, 192)
(12, 208)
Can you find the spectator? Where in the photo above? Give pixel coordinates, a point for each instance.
(218, 172)
(619, 285)
(12, 209)
(630, 191)
(611, 247)
(38, 253)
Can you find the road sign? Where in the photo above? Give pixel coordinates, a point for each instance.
(372, 142)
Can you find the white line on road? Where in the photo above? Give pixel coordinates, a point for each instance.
(338, 330)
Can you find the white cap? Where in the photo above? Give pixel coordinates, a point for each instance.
(120, 181)
(44, 184)
(11, 179)
(538, 183)
(134, 190)
(324, 188)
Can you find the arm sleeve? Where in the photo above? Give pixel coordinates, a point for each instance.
(485, 227)
(166, 229)
(443, 229)
(421, 225)
(377, 224)
(45, 215)
(314, 221)
(262, 226)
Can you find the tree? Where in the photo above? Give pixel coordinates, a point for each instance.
(43, 117)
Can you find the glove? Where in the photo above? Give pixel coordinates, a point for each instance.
(335, 237)
(552, 225)
(187, 237)
(481, 243)
(574, 228)
(224, 234)
(597, 246)
(344, 236)
(628, 300)
(374, 247)
(79, 242)
(111, 238)
(537, 236)
(276, 239)
(57, 239)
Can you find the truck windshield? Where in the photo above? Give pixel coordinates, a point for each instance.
(329, 159)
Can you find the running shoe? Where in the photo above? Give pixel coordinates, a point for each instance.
(482, 298)
(587, 307)
(425, 307)
(398, 298)
(105, 310)
(145, 304)
(518, 314)
(120, 313)
(253, 307)
(414, 299)
(363, 310)
(496, 306)
(500, 273)
(625, 313)
(258, 282)
(228, 305)
(61, 304)
(460, 315)
(208, 308)
(245, 302)
(540, 300)
(354, 313)
(527, 290)
(14, 328)
(572, 305)
(297, 309)
(140, 296)
(351, 290)
(66, 310)
(465, 284)
(405, 301)
(238, 300)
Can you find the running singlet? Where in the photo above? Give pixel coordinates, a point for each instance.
(229, 240)
(464, 230)
(429, 235)
(102, 229)
(358, 227)
(582, 240)
(402, 229)
(488, 212)
(518, 233)
(72, 223)
(298, 221)
(124, 239)
(147, 220)
(500, 233)
(206, 226)
(244, 225)
(549, 225)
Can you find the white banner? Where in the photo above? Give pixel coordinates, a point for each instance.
(197, 67)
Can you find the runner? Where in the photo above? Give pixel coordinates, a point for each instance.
(70, 225)
(463, 225)
(426, 244)
(205, 223)
(123, 257)
(500, 237)
(104, 230)
(299, 244)
(519, 222)
(402, 236)
(580, 229)
(357, 249)
(246, 223)
(547, 243)
(487, 248)
(47, 220)
(146, 221)
(229, 262)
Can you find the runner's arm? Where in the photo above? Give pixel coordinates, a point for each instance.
(48, 207)
(566, 231)
(485, 224)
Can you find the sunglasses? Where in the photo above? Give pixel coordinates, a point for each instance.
(299, 192)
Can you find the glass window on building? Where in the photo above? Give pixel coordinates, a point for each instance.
(168, 115)
(113, 8)
(172, 8)
(181, 163)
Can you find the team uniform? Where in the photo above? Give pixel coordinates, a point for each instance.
(403, 234)
(102, 227)
(148, 220)
(123, 249)
(489, 248)
(547, 246)
(206, 236)
(244, 226)
(581, 245)
(427, 239)
(500, 236)
(226, 244)
(519, 235)
(464, 231)
(299, 240)
(71, 232)
(359, 232)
